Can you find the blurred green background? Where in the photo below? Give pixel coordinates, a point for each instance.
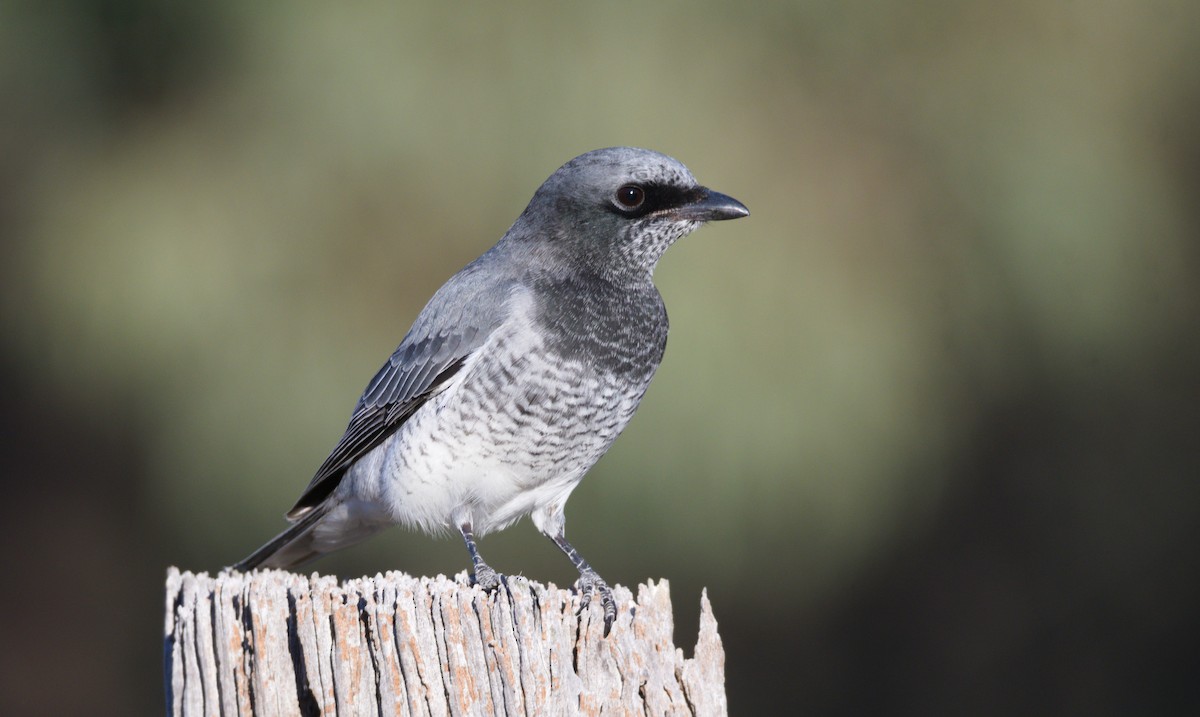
(928, 428)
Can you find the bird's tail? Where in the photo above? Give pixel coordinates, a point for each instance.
(294, 546)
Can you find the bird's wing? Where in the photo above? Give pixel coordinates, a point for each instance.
(456, 322)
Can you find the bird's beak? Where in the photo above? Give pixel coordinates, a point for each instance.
(710, 206)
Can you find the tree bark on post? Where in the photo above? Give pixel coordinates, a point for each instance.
(278, 643)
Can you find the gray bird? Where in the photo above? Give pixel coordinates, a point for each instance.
(517, 375)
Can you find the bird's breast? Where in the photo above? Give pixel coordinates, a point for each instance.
(608, 328)
(537, 405)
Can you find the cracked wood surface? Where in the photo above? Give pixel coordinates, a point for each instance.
(279, 643)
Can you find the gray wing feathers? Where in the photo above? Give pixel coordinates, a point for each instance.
(456, 322)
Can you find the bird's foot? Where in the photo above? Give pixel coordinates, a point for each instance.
(590, 583)
(486, 578)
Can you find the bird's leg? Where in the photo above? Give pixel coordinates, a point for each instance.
(589, 582)
(482, 573)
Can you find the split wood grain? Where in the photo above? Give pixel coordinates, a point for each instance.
(278, 643)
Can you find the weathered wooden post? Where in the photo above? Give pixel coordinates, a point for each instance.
(278, 643)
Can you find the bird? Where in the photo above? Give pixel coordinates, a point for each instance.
(518, 374)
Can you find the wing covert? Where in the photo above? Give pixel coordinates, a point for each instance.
(455, 322)
(413, 373)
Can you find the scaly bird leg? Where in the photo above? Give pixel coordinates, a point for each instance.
(482, 573)
(589, 582)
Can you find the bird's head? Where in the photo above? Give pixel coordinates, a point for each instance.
(620, 207)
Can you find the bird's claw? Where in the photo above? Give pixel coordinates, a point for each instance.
(589, 583)
(486, 578)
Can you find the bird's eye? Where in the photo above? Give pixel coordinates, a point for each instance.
(631, 196)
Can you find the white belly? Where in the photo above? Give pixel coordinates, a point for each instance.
(512, 435)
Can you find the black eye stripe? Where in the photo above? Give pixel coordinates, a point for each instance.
(655, 197)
